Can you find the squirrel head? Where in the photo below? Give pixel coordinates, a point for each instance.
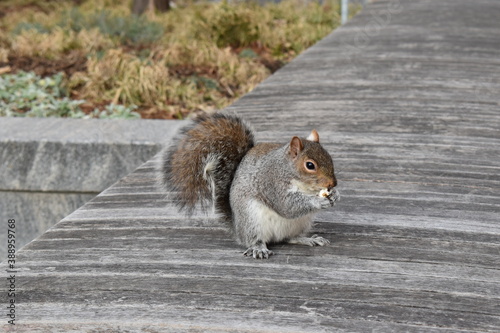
(313, 164)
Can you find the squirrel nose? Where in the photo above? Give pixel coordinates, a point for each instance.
(331, 184)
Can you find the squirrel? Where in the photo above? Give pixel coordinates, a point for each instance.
(266, 192)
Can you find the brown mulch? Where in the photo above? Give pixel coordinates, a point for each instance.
(73, 62)
(263, 56)
(154, 113)
(4, 11)
(271, 64)
(146, 112)
(45, 7)
(182, 71)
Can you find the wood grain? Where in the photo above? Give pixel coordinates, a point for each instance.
(410, 110)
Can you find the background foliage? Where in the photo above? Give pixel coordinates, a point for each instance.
(93, 58)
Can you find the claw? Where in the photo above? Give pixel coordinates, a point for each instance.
(314, 240)
(258, 252)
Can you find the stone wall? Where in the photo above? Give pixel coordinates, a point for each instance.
(50, 167)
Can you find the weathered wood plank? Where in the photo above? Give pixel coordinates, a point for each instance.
(359, 246)
(161, 318)
(405, 97)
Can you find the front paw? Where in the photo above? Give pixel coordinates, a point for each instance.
(327, 200)
(258, 252)
(325, 203)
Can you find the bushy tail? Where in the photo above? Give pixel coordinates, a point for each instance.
(199, 167)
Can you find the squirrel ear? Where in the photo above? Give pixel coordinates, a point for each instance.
(314, 136)
(296, 146)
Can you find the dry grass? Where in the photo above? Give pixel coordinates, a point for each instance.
(124, 78)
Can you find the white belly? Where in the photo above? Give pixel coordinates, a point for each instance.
(272, 227)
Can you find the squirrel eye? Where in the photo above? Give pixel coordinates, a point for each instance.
(310, 166)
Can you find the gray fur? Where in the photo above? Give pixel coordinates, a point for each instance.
(266, 208)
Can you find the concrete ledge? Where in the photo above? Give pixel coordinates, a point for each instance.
(50, 166)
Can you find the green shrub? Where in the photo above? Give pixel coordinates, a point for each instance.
(128, 29)
(26, 94)
(284, 28)
(231, 25)
(113, 111)
(23, 26)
